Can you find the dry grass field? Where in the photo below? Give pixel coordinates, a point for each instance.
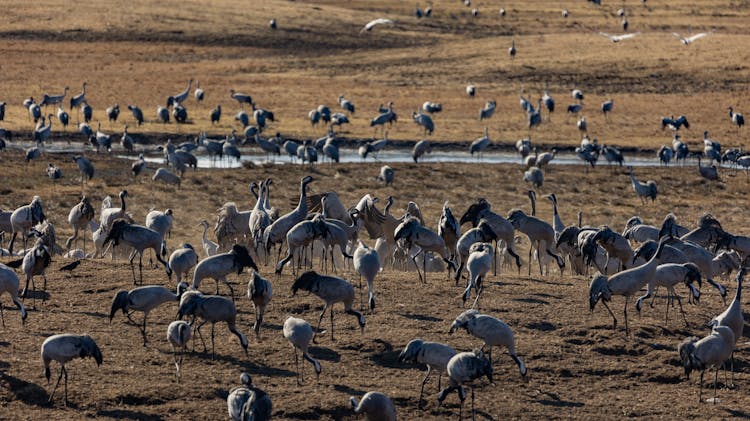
(579, 367)
(147, 51)
(144, 51)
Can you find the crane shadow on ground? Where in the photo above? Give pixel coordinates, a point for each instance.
(348, 390)
(27, 392)
(554, 400)
(325, 354)
(124, 414)
(420, 317)
(317, 413)
(246, 365)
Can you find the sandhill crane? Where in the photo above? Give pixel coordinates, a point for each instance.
(686, 41)
(492, 331)
(465, 367)
(433, 354)
(23, 218)
(178, 335)
(512, 49)
(449, 229)
(548, 101)
(110, 214)
(299, 333)
(9, 283)
(32, 154)
(80, 217)
(386, 175)
(626, 283)
(373, 23)
(77, 100)
(535, 176)
(211, 309)
(209, 247)
(181, 97)
(260, 293)
(478, 264)
(736, 118)
(63, 348)
(331, 290)
(480, 144)
(711, 351)
(375, 405)
(143, 299)
(139, 238)
(665, 154)
(618, 38)
(138, 166)
(53, 99)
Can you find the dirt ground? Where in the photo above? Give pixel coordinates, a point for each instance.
(578, 366)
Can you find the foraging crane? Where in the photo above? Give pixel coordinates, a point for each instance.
(668, 275)
(85, 167)
(331, 290)
(711, 351)
(478, 264)
(425, 121)
(211, 309)
(492, 331)
(433, 354)
(414, 234)
(63, 348)
(375, 405)
(709, 173)
(626, 283)
(346, 104)
(221, 265)
(249, 403)
(143, 299)
(139, 238)
(487, 110)
(465, 367)
(113, 112)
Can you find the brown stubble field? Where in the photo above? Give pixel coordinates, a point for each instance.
(144, 53)
(579, 367)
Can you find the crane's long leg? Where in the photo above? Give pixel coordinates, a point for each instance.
(143, 329)
(625, 312)
(421, 390)
(330, 310)
(52, 395)
(65, 387)
(132, 265)
(614, 319)
(320, 319)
